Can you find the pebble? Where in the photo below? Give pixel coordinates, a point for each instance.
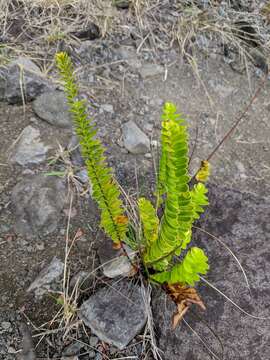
(135, 140)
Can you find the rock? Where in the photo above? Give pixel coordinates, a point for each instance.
(92, 32)
(47, 278)
(91, 354)
(73, 349)
(113, 261)
(135, 141)
(93, 341)
(151, 70)
(52, 107)
(5, 325)
(121, 4)
(38, 201)
(116, 314)
(23, 76)
(107, 108)
(241, 220)
(29, 149)
(83, 279)
(75, 152)
(82, 175)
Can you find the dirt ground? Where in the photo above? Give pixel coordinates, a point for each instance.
(114, 76)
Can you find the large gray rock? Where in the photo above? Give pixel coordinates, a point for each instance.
(52, 107)
(29, 149)
(135, 141)
(241, 220)
(22, 76)
(38, 201)
(47, 278)
(116, 314)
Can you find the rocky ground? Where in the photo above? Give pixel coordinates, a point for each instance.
(46, 206)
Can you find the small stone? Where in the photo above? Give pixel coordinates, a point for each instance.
(91, 354)
(5, 325)
(148, 127)
(116, 314)
(29, 149)
(148, 156)
(114, 262)
(154, 143)
(135, 141)
(40, 247)
(82, 279)
(93, 341)
(107, 108)
(38, 201)
(11, 350)
(92, 32)
(121, 4)
(82, 175)
(52, 107)
(73, 349)
(47, 278)
(75, 152)
(151, 70)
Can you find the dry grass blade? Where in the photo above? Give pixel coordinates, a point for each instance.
(146, 294)
(202, 340)
(229, 250)
(233, 303)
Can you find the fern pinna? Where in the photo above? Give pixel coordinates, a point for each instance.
(105, 188)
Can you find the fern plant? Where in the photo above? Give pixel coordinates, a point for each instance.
(163, 242)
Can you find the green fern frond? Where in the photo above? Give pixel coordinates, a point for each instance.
(105, 188)
(199, 199)
(149, 220)
(187, 272)
(175, 229)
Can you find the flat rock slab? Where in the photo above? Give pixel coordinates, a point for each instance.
(116, 314)
(38, 201)
(241, 220)
(52, 107)
(29, 149)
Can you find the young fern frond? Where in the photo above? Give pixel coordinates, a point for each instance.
(182, 207)
(149, 221)
(105, 188)
(175, 229)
